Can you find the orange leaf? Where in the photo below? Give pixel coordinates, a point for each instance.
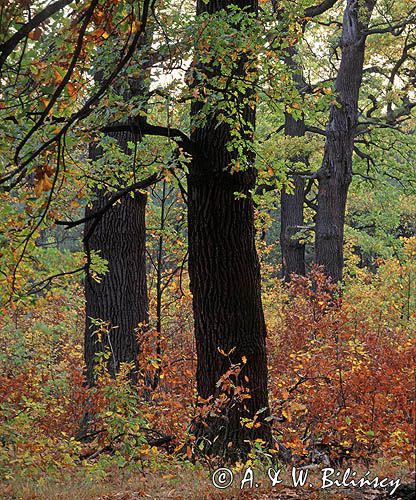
(44, 183)
(71, 89)
(39, 187)
(35, 34)
(137, 25)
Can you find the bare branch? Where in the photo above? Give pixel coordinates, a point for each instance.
(315, 130)
(395, 29)
(316, 10)
(141, 127)
(112, 200)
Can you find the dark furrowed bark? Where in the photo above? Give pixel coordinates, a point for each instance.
(121, 297)
(292, 204)
(334, 177)
(225, 282)
(293, 250)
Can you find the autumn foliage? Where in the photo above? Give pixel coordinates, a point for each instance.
(341, 378)
(343, 374)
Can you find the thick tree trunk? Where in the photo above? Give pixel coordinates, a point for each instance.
(334, 177)
(225, 282)
(121, 297)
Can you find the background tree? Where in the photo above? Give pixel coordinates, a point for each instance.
(292, 203)
(347, 124)
(117, 306)
(119, 299)
(335, 175)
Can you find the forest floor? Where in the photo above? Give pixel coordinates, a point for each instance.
(185, 483)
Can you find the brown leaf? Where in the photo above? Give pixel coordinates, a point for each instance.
(35, 34)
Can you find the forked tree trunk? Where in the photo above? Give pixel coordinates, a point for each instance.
(120, 299)
(225, 280)
(335, 175)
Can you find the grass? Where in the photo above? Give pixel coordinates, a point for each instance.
(182, 481)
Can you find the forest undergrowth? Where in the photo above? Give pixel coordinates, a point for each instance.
(341, 388)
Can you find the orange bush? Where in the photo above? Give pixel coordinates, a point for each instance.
(341, 377)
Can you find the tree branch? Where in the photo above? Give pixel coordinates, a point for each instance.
(84, 111)
(316, 10)
(7, 47)
(65, 80)
(141, 127)
(395, 29)
(315, 130)
(112, 200)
